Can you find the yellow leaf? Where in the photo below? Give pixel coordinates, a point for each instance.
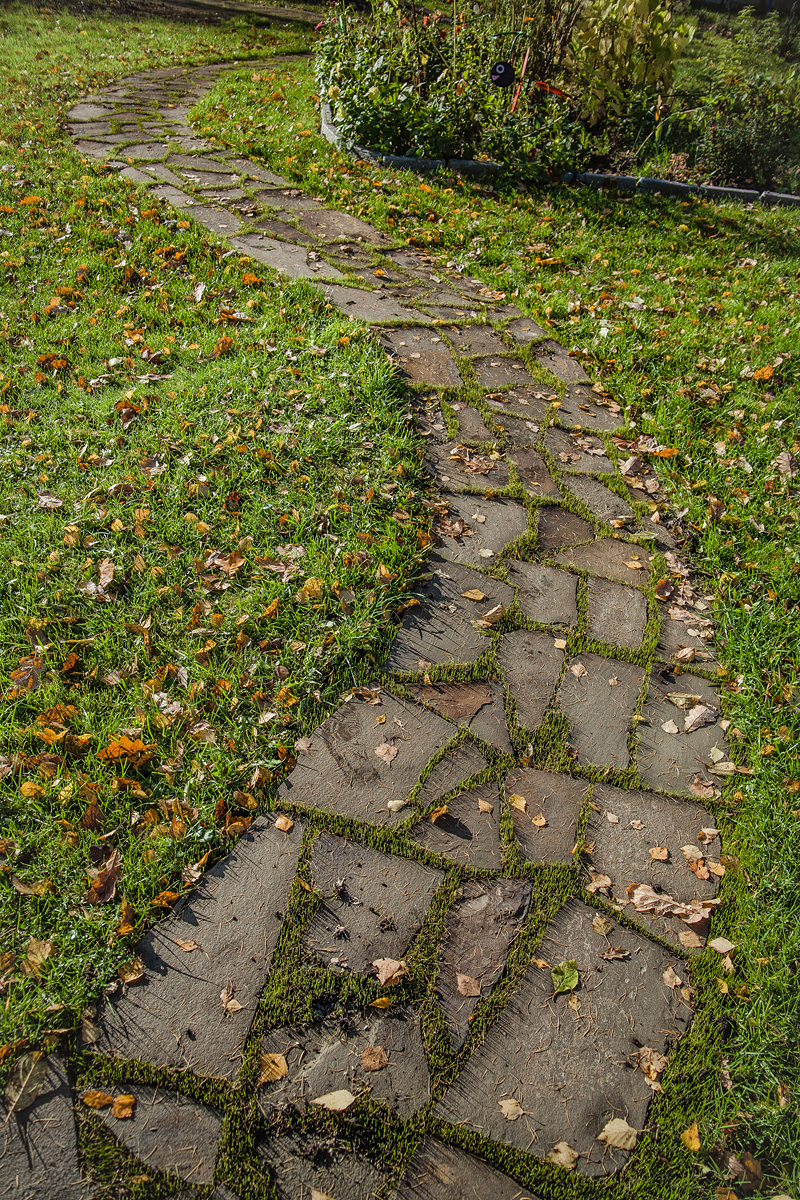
(284, 823)
(97, 1099)
(272, 1067)
(381, 1002)
(517, 801)
(123, 1106)
(439, 813)
(474, 594)
(691, 1138)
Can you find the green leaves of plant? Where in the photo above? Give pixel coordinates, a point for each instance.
(565, 977)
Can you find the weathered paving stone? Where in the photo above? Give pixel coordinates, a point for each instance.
(579, 406)
(280, 229)
(92, 129)
(524, 330)
(670, 762)
(645, 822)
(378, 900)
(444, 312)
(503, 522)
(532, 471)
(519, 431)
(88, 112)
(600, 500)
(326, 1056)
(160, 171)
(218, 220)
(440, 629)
(578, 453)
(530, 664)
(617, 614)
(378, 308)
(479, 339)
(572, 1072)
(600, 713)
(501, 372)
(146, 150)
(471, 425)
(462, 763)
(420, 361)
(479, 706)
(612, 559)
(478, 933)
(334, 1171)
(288, 260)
(38, 1146)
(559, 527)
(340, 771)
(464, 833)
(135, 176)
(174, 1017)
(545, 595)
(94, 149)
(676, 635)
(169, 1132)
(556, 359)
(251, 170)
(459, 469)
(440, 1172)
(532, 402)
(329, 224)
(557, 798)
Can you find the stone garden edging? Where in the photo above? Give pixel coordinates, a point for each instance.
(627, 183)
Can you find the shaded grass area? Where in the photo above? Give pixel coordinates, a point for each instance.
(687, 312)
(201, 467)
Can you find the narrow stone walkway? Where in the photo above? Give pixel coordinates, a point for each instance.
(546, 719)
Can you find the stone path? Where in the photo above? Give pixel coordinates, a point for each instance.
(504, 840)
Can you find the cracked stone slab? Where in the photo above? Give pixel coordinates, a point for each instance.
(218, 220)
(556, 798)
(417, 361)
(617, 614)
(443, 312)
(440, 629)
(441, 1172)
(645, 821)
(555, 359)
(378, 308)
(281, 256)
(533, 472)
(600, 500)
(327, 1056)
(612, 559)
(479, 706)
(333, 1172)
(600, 712)
(580, 406)
(503, 521)
(174, 1017)
(38, 1146)
(459, 469)
(160, 171)
(466, 833)
(462, 763)
(530, 664)
(330, 224)
(670, 762)
(380, 903)
(479, 931)
(557, 527)
(169, 1132)
(578, 453)
(572, 1072)
(495, 372)
(340, 771)
(544, 594)
(471, 425)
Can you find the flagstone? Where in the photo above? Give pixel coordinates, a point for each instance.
(378, 308)
(559, 527)
(571, 452)
(671, 762)
(555, 799)
(441, 1172)
(610, 558)
(572, 1069)
(469, 832)
(524, 330)
(599, 702)
(503, 522)
(545, 595)
(580, 406)
(530, 664)
(461, 471)
(600, 500)
(168, 1132)
(533, 472)
(38, 1146)
(495, 372)
(617, 614)
(471, 425)
(555, 359)
(371, 904)
(479, 339)
(336, 1171)
(478, 705)
(480, 929)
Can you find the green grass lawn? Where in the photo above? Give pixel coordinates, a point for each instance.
(688, 313)
(210, 502)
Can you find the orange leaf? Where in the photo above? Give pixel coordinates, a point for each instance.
(764, 372)
(132, 752)
(93, 817)
(123, 1106)
(97, 1099)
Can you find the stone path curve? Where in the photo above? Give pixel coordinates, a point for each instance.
(535, 709)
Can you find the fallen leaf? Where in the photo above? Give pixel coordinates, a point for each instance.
(104, 886)
(601, 925)
(381, 1002)
(187, 945)
(271, 1067)
(563, 1155)
(123, 1106)
(697, 717)
(565, 977)
(511, 1109)
(474, 594)
(517, 801)
(36, 954)
(598, 883)
(619, 1134)
(683, 699)
(386, 752)
(97, 1099)
(652, 1064)
(669, 727)
(374, 1058)
(25, 1081)
(612, 818)
(48, 500)
(439, 813)
(691, 1138)
(722, 945)
(467, 986)
(484, 806)
(131, 972)
(578, 670)
(659, 853)
(390, 970)
(707, 835)
(229, 1005)
(131, 751)
(284, 823)
(539, 821)
(670, 979)
(335, 1101)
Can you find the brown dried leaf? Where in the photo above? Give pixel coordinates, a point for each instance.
(123, 1106)
(97, 1099)
(284, 823)
(467, 986)
(374, 1058)
(272, 1067)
